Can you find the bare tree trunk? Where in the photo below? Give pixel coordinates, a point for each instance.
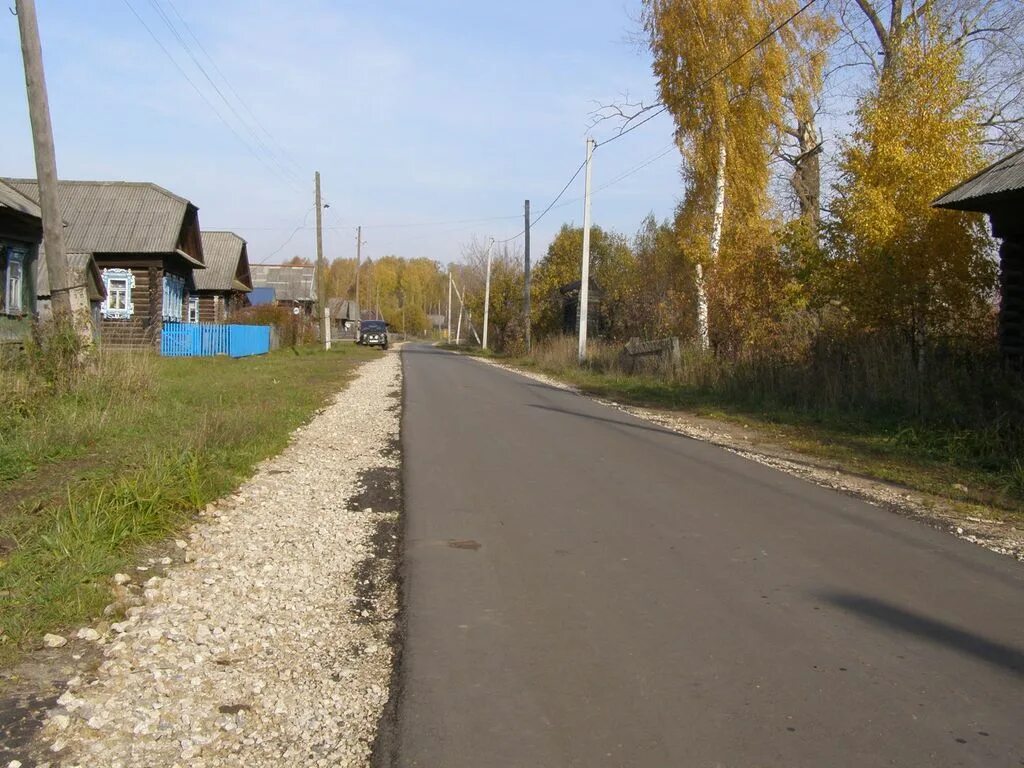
(806, 178)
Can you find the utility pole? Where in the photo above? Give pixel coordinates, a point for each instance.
(526, 274)
(325, 324)
(448, 325)
(359, 253)
(64, 304)
(585, 277)
(487, 291)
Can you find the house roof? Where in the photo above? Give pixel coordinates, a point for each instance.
(989, 188)
(227, 263)
(16, 201)
(343, 309)
(291, 282)
(82, 271)
(262, 295)
(117, 216)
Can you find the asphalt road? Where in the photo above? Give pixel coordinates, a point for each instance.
(587, 589)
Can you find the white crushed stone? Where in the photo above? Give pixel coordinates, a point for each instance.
(252, 655)
(994, 535)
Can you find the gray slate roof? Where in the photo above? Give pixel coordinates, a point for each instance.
(993, 186)
(116, 216)
(222, 252)
(16, 201)
(83, 271)
(343, 309)
(290, 282)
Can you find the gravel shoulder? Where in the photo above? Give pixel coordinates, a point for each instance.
(1001, 537)
(271, 643)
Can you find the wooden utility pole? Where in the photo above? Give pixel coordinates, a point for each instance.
(487, 292)
(321, 267)
(46, 165)
(526, 274)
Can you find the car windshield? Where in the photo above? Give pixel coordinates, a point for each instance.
(374, 326)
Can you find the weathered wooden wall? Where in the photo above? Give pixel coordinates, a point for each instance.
(143, 327)
(1008, 225)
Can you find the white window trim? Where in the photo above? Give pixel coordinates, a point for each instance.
(106, 310)
(174, 300)
(193, 303)
(14, 301)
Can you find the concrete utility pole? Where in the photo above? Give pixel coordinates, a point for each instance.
(321, 268)
(62, 301)
(487, 291)
(526, 274)
(448, 324)
(585, 277)
(359, 254)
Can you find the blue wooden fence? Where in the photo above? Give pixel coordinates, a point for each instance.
(207, 340)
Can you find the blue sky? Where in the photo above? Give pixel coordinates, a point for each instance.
(414, 113)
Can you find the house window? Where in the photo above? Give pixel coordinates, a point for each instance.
(14, 281)
(119, 284)
(174, 297)
(193, 309)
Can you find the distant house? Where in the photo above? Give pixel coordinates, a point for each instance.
(344, 314)
(21, 232)
(225, 284)
(146, 243)
(999, 191)
(83, 271)
(571, 308)
(294, 285)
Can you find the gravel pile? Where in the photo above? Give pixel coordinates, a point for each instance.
(263, 650)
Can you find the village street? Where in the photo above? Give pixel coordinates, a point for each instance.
(587, 589)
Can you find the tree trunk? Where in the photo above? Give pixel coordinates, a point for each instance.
(806, 179)
(716, 242)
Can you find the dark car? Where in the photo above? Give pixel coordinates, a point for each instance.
(373, 333)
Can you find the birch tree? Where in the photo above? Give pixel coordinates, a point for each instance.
(725, 112)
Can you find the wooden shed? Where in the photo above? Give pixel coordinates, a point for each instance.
(295, 285)
(83, 271)
(999, 192)
(21, 231)
(224, 286)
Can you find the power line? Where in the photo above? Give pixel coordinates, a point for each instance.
(196, 88)
(286, 173)
(765, 38)
(295, 231)
(550, 205)
(283, 152)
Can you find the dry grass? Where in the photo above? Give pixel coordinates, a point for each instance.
(100, 459)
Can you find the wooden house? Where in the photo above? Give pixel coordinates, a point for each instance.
(294, 285)
(344, 314)
(146, 243)
(224, 286)
(21, 232)
(999, 192)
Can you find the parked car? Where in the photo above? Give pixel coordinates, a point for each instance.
(373, 333)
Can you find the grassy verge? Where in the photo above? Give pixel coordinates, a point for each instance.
(92, 470)
(969, 465)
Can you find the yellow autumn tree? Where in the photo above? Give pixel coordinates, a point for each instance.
(900, 263)
(728, 109)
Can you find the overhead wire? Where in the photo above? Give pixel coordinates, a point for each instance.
(281, 170)
(761, 41)
(281, 150)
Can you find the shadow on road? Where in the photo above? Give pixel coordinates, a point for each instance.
(893, 617)
(616, 422)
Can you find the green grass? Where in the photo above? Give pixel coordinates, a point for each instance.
(936, 458)
(93, 470)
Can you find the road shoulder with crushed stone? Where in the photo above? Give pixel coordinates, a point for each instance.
(272, 640)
